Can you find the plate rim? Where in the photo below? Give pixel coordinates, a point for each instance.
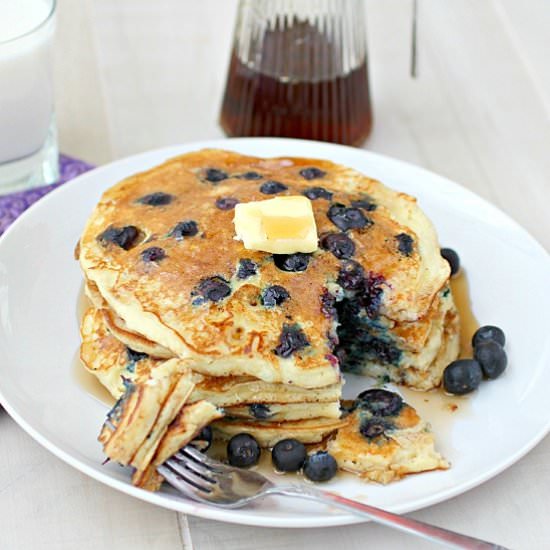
(244, 517)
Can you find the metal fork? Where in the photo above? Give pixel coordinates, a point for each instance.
(206, 480)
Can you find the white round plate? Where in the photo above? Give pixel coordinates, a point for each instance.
(508, 274)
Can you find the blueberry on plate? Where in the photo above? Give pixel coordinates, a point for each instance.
(243, 451)
(491, 358)
(203, 439)
(452, 257)
(488, 332)
(320, 466)
(288, 455)
(462, 376)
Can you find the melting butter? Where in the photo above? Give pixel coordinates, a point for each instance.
(283, 225)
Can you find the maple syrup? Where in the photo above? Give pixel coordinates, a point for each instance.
(299, 86)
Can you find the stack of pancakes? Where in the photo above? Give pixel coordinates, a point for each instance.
(170, 285)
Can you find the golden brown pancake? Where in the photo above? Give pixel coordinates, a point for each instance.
(383, 439)
(160, 250)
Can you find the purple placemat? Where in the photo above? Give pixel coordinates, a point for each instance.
(11, 206)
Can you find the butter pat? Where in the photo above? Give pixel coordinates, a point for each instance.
(282, 225)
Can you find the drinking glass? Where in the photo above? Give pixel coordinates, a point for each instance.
(28, 141)
(299, 69)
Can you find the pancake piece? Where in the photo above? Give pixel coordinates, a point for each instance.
(313, 430)
(185, 427)
(384, 439)
(159, 249)
(140, 418)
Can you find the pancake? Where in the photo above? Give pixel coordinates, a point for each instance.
(283, 412)
(159, 249)
(384, 439)
(112, 363)
(138, 421)
(313, 430)
(185, 427)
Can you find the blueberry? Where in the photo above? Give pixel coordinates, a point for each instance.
(226, 203)
(243, 451)
(339, 244)
(121, 236)
(491, 358)
(405, 244)
(351, 276)
(366, 204)
(214, 289)
(203, 439)
(156, 199)
(292, 262)
(346, 218)
(187, 228)
(288, 455)
(213, 175)
(153, 254)
(312, 173)
(320, 466)
(247, 268)
(373, 427)
(488, 332)
(452, 257)
(274, 296)
(462, 376)
(135, 356)
(380, 402)
(251, 176)
(260, 411)
(272, 187)
(313, 193)
(328, 305)
(291, 340)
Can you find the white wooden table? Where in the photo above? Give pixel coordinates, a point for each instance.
(137, 74)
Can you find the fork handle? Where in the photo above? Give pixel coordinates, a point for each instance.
(408, 525)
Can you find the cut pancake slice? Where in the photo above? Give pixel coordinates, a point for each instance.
(140, 418)
(383, 439)
(313, 430)
(185, 427)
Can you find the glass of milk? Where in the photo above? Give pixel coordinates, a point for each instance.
(28, 142)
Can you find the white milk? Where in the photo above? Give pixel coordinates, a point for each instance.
(26, 91)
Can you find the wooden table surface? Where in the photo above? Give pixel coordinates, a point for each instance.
(135, 74)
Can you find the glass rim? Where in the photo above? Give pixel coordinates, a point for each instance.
(35, 28)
